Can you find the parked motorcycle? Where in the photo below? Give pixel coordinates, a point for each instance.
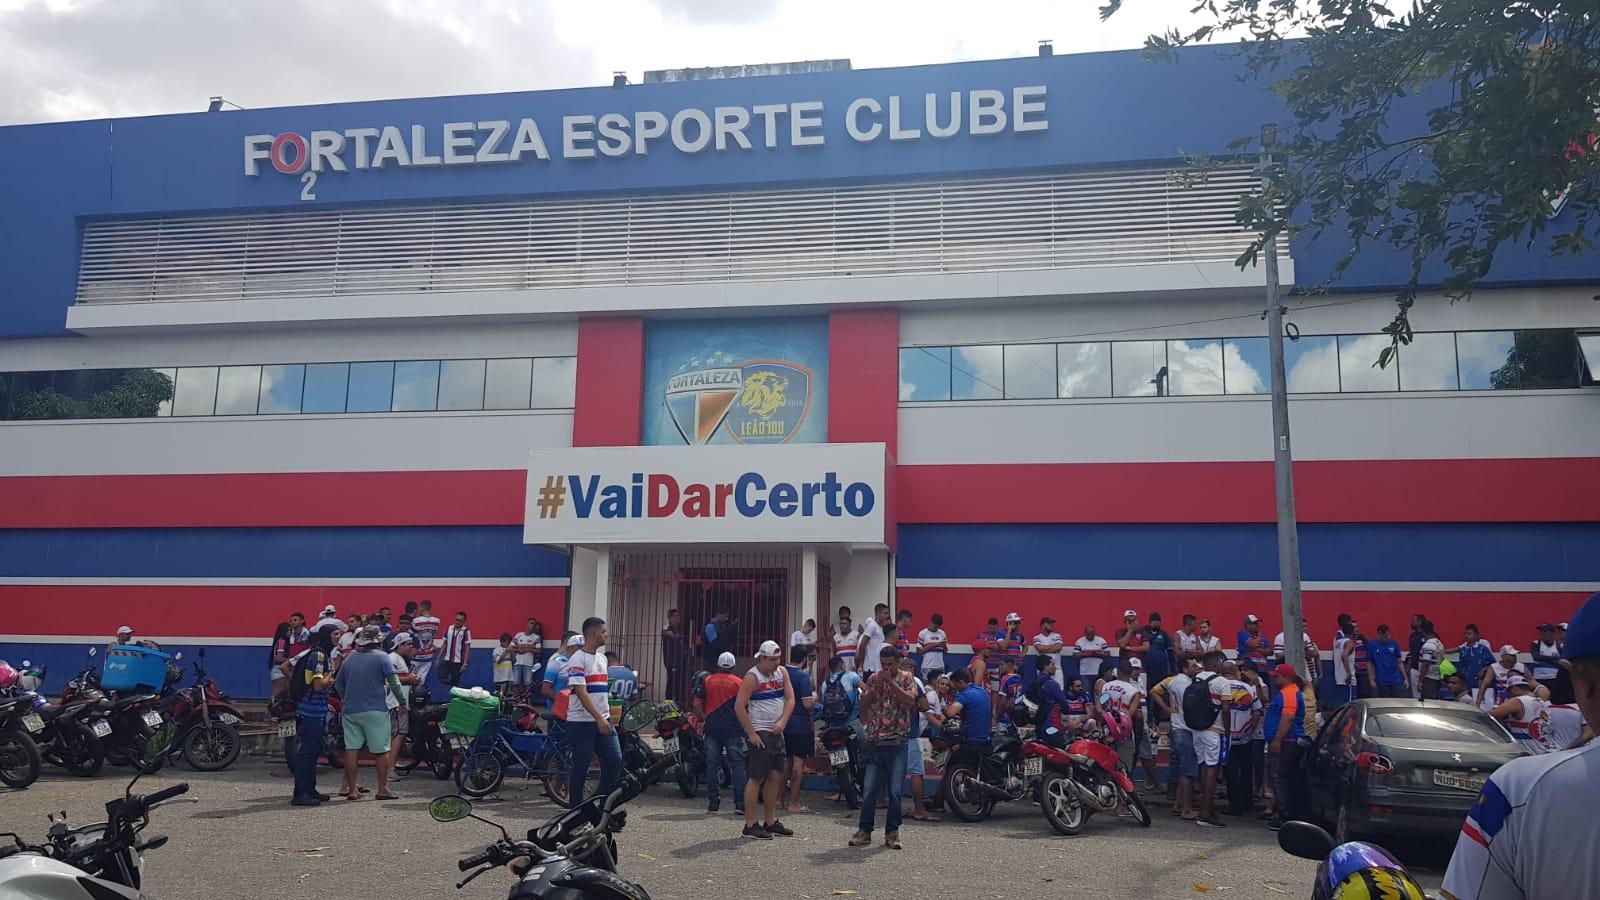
(207, 724)
(681, 740)
(73, 728)
(20, 762)
(637, 756)
(134, 720)
(849, 768)
(975, 779)
(1367, 870)
(89, 862)
(1083, 779)
(574, 855)
(424, 743)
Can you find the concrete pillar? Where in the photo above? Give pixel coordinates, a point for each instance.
(602, 582)
(808, 589)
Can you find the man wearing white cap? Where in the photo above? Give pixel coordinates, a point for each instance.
(713, 702)
(329, 616)
(555, 675)
(1492, 684)
(124, 636)
(1521, 712)
(1252, 647)
(764, 704)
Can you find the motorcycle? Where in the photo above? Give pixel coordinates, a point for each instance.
(20, 762)
(1081, 780)
(974, 780)
(73, 728)
(424, 743)
(207, 724)
(89, 862)
(1366, 869)
(574, 855)
(849, 769)
(637, 756)
(135, 724)
(681, 740)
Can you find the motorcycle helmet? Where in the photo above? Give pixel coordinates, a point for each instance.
(1118, 726)
(30, 677)
(8, 675)
(1362, 871)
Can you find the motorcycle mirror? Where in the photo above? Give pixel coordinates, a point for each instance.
(202, 652)
(27, 664)
(94, 651)
(450, 808)
(1305, 840)
(177, 657)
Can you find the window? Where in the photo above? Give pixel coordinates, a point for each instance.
(1467, 726)
(1030, 371)
(555, 382)
(196, 393)
(1589, 346)
(416, 386)
(976, 373)
(1310, 366)
(1358, 364)
(1194, 368)
(238, 390)
(1084, 370)
(371, 386)
(1247, 366)
(1139, 368)
(1539, 358)
(508, 383)
(461, 384)
(924, 373)
(326, 385)
(281, 387)
(1480, 354)
(1428, 363)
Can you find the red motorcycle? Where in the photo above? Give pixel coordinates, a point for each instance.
(208, 724)
(1081, 780)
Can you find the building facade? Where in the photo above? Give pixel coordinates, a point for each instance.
(951, 338)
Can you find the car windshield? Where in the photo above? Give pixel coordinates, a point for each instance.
(1468, 726)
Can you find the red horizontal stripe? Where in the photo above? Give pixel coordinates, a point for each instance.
(1437, 490)
(1503, 616)
(256, 611)
(1455, 490)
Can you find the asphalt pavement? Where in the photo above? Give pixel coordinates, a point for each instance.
(243, 839)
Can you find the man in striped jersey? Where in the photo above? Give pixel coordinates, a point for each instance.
(457, 650)
(764, 704)
(589, 728)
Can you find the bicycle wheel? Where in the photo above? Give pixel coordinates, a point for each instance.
(481, 773)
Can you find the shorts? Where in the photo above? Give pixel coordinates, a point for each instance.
(399, 720)
(1208, 748)
(914, 758)
(368, 729)
(1143, 743)
(1184, 753)
(1125, 754)
(765, 757)
(799, 746)
(277, 673)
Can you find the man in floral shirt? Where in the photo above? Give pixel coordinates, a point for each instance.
(887, 699)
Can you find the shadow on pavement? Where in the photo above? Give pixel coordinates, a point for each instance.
(704, 848)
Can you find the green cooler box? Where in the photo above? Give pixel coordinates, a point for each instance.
(467, 714)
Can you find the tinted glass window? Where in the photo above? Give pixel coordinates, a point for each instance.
(1030, 371)
(1139, 368)
(555, 382)
(1194, 368)
(1467, 726)
(1543, 358)
(197, 391)
(416, 386)
(1428, 363)
(1358, 369)
(1310, 365)
(976, 373)
(507, 383)
(371, 384)
(1085, 370)
(326, 384)
(461, 384)
(281, 387)
(238, 388)
(924, 373)
(1480, 354)
(1246, 368)
(1589, 344)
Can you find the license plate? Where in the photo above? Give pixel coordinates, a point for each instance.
(152, 718)
(1033, 765)
(101, 728)
(840, 757)
(32, 722)
(669, 745)
(1459, 780)
(228, 719)
(286, 729)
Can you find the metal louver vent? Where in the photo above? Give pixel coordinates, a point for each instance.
(1131, 217)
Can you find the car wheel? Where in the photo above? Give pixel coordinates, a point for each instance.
(1342, 833)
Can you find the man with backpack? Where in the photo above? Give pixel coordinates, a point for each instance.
(309, 682)
(1205, 712)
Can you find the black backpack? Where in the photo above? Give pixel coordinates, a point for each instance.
(299, 683)
(1199, 712)
(835, 701)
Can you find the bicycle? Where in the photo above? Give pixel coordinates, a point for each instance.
(497, 749)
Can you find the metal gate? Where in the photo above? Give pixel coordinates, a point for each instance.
(760, 590)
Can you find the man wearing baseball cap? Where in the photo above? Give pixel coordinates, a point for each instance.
(124, 636)
(713, 703)
(1525, 836)
(1253, 647)
(764, 704)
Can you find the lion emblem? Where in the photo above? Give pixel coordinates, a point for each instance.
(763, 394)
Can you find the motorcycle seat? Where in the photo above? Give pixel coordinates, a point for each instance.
(122, 703)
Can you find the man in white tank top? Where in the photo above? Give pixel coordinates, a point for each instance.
(1491, 687)
(1521, 712)
(764, 704)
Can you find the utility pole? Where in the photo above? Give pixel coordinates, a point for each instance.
(1294, 624)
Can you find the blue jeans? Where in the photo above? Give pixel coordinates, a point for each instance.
(522, 675)
(733, 747)
(886, 771)
(310, 732)
(1392, 690)
(1183, 757)
(587, 742)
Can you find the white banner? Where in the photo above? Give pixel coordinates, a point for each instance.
(799, 493)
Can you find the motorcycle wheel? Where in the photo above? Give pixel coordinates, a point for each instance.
(139, 751)
(333, 746)
(211, 747)
(952, 787)
(1141, 816)
(441, 760)
(481, 773)
(847, 786)
(687, 778)
(1062, 808)
(19, 760)
(80, 752)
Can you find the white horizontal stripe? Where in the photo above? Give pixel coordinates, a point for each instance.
(101, 640)
(282, 582)
(1397, 586)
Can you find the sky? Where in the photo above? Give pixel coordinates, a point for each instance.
(79, 59)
